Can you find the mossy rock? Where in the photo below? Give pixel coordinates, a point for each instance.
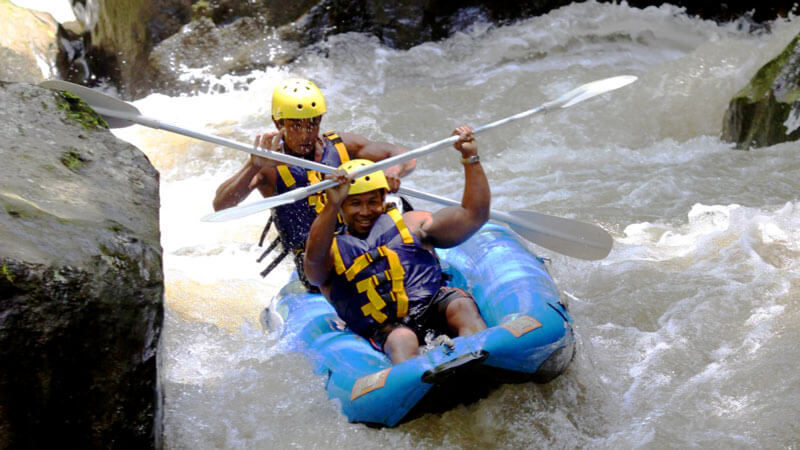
(81, 279)
(767, 111)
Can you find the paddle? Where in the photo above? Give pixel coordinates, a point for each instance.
(566, 236)
(121, 114)
(577, 95)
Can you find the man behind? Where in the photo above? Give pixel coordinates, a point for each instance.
(297, 109)
(381, 273)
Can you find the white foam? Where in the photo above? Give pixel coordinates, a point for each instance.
(61, 10)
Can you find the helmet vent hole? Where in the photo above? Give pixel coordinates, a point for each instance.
(299, 106)
(352, 181)
(366, 178)
(313, 104)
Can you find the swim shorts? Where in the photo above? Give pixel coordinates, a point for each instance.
(430, 316)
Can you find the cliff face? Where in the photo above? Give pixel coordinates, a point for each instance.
(767, 110)
(81, 284)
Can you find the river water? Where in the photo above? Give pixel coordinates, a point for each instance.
(687, 332)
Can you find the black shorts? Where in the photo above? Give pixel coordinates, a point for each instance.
(430, 316)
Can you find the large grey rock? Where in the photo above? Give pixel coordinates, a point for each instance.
(81, 285)
(767, 110)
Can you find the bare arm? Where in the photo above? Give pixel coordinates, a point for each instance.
(318, 259)
(236, 188)
(360, 147)
(256, 173)
(453, 225)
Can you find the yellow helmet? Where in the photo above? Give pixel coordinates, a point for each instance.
(369, 182)
(297, 98)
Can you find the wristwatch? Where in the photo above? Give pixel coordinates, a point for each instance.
(471, 160)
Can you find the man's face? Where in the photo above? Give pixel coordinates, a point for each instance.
(360, 211)
(300, 134)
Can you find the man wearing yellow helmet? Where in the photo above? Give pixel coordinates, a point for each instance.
(381, 273)
(297, 109)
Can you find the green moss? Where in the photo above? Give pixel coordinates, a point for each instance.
(73, 160)
(7, 273)
(80, 112)
(761, 84)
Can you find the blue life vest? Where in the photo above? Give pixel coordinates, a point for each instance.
(293, 221)
(383, 277)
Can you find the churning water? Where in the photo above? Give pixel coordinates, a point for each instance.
(688, 331)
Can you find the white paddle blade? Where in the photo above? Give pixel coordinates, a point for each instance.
(114, 111)
(566, 236)
(262, 205)
(598, 87)
(236, 213)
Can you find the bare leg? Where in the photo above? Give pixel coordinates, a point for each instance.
(401, 344)
(463, 316)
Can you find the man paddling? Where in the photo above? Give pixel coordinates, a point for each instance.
(297, 109)
(381, 273)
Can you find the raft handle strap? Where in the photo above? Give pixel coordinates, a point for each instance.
(274, 263)
(271, 247)
(264, 233)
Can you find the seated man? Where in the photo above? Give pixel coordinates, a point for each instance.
(381, 273)
(297, 110)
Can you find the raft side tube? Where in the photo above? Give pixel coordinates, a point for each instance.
(517, 298)
(529, 334)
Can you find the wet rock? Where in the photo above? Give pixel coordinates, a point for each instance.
(125, 34)
(767, 110)
(27, 44)
(81, 285)
(204, 48)
(120, 34)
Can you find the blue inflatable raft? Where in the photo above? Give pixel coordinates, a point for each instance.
(529, 337)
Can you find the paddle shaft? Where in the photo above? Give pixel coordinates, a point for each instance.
(269, 154)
